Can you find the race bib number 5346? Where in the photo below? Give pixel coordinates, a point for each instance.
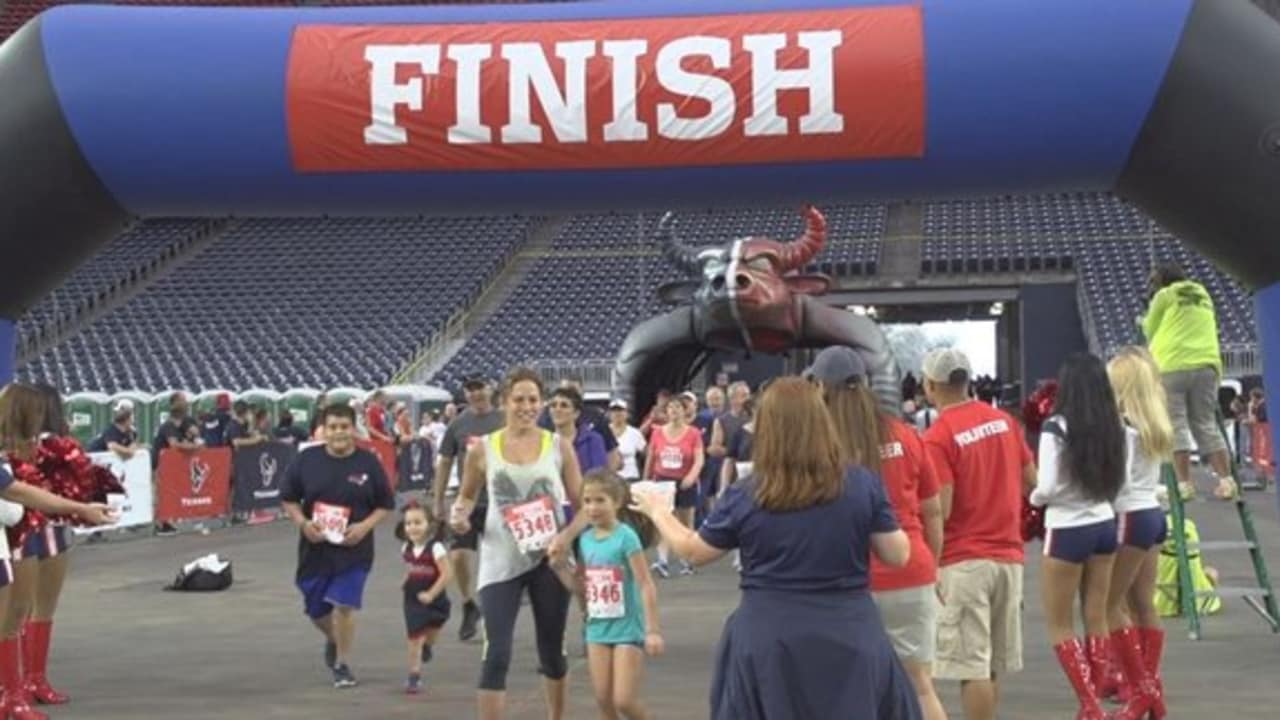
(332, 520)
(533, 524)
(604, 592)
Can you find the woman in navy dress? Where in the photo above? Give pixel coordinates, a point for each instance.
(806, 641)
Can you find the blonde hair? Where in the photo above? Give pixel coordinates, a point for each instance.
(1141, 399)
(798, 458)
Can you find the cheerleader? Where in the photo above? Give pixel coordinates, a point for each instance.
(41, 569)
(22, 414)
(426, 605)
(1137, 640)
(1081, 471)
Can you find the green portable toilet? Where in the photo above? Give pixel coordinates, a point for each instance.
(207, 401)
(419, 398)
(346, 394)
(265, 398)
(88, 414)
(143, 417)
(301, 403)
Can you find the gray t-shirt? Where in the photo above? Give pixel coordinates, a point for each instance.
(464, 433)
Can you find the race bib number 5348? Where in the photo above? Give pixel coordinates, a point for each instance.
(533, 524)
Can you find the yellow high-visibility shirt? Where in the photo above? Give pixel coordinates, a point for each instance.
(1181, 328)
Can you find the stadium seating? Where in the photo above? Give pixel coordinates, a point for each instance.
(286, 303)
(120, 262)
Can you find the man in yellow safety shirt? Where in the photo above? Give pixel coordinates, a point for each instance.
(1181, 329)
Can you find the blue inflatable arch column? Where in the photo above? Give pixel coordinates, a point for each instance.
(117, 112)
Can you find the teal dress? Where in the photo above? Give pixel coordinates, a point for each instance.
(615, 615)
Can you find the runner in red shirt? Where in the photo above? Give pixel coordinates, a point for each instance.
(984, 467)
(884, 444)
(676, 456)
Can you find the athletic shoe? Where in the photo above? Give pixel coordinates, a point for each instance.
(413, 685)
(660, 569)
(342, 677)
(470, 616)
(330, 654)
(426, 653)
(686, 569)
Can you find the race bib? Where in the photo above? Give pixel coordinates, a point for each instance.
(604, 592)
(671, 458)
(533, 524)
(332, 520)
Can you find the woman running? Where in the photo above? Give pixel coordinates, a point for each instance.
(676, 456)
(887, 445)
(1137, 641)
(531, 476)
(806, 640)
(1081, 470)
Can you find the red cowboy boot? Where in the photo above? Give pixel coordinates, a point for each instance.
(1075, 664)
(1152, 649)
(16, 704)
(1106, 671)
(1143, 693)
(35, 660)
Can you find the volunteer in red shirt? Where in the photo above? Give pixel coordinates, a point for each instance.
(984, 467)
(375, 417)
(676, 456)
(886, 445)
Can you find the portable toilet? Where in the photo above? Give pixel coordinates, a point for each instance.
(266, 399)
(143, 418)
(346, 394)
(88, 414)
(419, 398)
(301, 403)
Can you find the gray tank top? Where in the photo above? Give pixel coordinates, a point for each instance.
(526, 509)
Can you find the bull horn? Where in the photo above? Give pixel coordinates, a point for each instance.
(684, 258)
(797, 253)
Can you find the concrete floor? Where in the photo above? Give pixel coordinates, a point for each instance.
(125, 650)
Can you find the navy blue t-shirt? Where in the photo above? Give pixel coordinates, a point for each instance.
(213, 429)
(824, 548)
(356, 482)
(6, 477)
(113, 434)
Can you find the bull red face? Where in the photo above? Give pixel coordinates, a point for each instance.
(746, 296)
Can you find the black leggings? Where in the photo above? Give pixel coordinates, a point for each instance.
(499, 605)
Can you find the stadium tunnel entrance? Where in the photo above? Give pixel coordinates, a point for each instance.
(115, 113)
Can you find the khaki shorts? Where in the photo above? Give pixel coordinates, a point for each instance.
(980, 624)
(1193, 409)
(910, 616)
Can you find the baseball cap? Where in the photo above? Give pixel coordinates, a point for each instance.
(475, 380)
(946, 365)
(617, 404)
(123, 406)
(837, 364)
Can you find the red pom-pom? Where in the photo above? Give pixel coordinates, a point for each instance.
(1032, 521)
(1039, 405)
(62, 468)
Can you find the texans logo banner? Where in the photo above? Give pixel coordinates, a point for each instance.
(193, 485)
(778, 87)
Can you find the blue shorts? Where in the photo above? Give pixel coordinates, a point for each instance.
(320, 593)
(1142, 529)
(1077, 544)
(51, 541)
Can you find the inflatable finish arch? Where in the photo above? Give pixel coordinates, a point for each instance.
(113, 112)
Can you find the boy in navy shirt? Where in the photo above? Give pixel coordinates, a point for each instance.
(336, 494)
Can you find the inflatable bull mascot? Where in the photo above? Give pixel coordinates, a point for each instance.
(748, 295)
